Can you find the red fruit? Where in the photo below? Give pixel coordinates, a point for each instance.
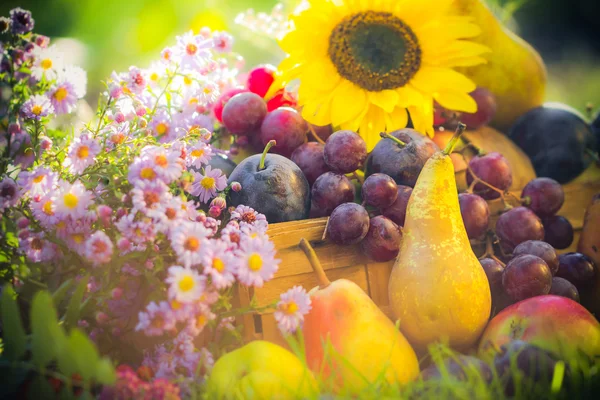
(260, 79)
(486, 109)
(281, 99)
(244, 113)
(224, 98)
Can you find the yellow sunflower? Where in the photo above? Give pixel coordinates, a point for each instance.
(365, 65)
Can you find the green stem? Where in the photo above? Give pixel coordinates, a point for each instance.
(393, 138)
(452, 143)
(261, 165)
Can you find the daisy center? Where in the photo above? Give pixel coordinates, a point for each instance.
(47, 208)
(218, 265)
(46, 63)
(191, 244)
(60, 94)
(201, 320)
(37, 109)
(83, 152)
(187, 80)
(186, 283)
(151, 198)
(70, 200)
(191, 49)
(157, 322)
(38, 178)
(161, 128)
(154, 76)
(77, 238)
(161, 160)
(8, 191)
(255, 262)
(207, 182)
(100, 247)
(375, 50)
(175, 305)
(147, 173)
(290, 308)
(248, 217)
(171, 213)
(197, 153)
(36, 244)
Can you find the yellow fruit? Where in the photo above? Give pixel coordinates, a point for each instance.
(260, 370)
(366, 344)
(514, 73)
(438, 289)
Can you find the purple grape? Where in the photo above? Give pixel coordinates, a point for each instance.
(348, 224)
(526, 276)
(287, 127)
(330, 190)
(382, 242)
(544, 196)
(486, 109)
(345, 152)
(493, 270)
(493, 169)
(558, 231)
(540, 249)
(564, 288)
(244, 113)
(309, 157)
(379, 190)
(517, 226)
(578, 269)
(475, 213)
(397, 211)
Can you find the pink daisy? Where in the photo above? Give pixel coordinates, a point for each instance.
(168, 164)
(37, 107)
(219, 264)
(199, 155)
(82, 154)
(157, 319)
(223, 42)
(294, 304)
(160, 124)
(75, 232)
(98, 248)
(9, 193)
(137, 231)
(248, 216)
(72, 199)
(142, 169)
(232, 234)
(39, 181)
(43, 210)
(188, 242)
(200, 316)
(36, 248)
(185, 284)
(206, 185)
(63, 97)
(172, 215)
(256, 261)
(136, 82)
(209, 92)
(193, 50)
(150, 197)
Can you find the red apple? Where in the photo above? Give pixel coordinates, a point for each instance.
(554, 323)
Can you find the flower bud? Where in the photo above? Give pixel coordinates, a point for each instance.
(236, 186)
(45, 143)
(119, 117)
(214, 211)
(116, 293)
(219, 202)
(41, 40)
(22, 223)
(101, 318)
(115, 91)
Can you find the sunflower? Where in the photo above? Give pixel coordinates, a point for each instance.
(366, 65)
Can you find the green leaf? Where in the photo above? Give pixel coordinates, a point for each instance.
(75, 303)
(105, 372)
(60, 293)
(48, 338)
(40, 388)
(15, 342)
(84, 353)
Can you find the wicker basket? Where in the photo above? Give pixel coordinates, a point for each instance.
(348, 261)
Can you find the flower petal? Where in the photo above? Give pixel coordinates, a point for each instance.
(456, 101)
(397, 119)
(434, 79)
(348, 102)
(372, 125)
(386, 99)
(318, 112)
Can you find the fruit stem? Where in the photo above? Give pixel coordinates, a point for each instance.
(452, 143)
(395, 139)
(261, 165)
(314, 133)
(314, 263)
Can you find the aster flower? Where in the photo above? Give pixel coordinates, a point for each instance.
(219, 264)
(198, 318)
(47, 62)
(209, 92)
(37, 107)
(82, 154)
(77, 78)
(98, 248)
(44, 211)
(167, 163)
(188, 243)
(72, 199)
(206, 185)
(63, 97)
(256, 261)
(156, 320)
(160, 124)
(135, 80)
(75, 232)
(172, 215)
(21, 21)
(232, 234)
(9, 193)
(36, 182)
(294, 304)
(185, 284)
(247, 216)
(142, 169)
(36, 248)
(150, 197)
(193, 50)
(223, 42)
(137, 231)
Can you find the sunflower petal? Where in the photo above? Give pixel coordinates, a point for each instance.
(456, 101)
(408, 96)
(433, 79)
(397, 119)
(320, 75)
(372, 125)
(348, 102)
(386, 99)
(318, 112)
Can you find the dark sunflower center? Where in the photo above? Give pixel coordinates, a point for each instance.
(375, 50)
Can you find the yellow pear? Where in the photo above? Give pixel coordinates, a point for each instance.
(260, 370)
(514, 73)
(438, 289)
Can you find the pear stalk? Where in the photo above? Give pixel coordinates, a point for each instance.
(452, 143)
(314, 263)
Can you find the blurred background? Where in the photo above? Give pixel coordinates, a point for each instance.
(106, 35)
